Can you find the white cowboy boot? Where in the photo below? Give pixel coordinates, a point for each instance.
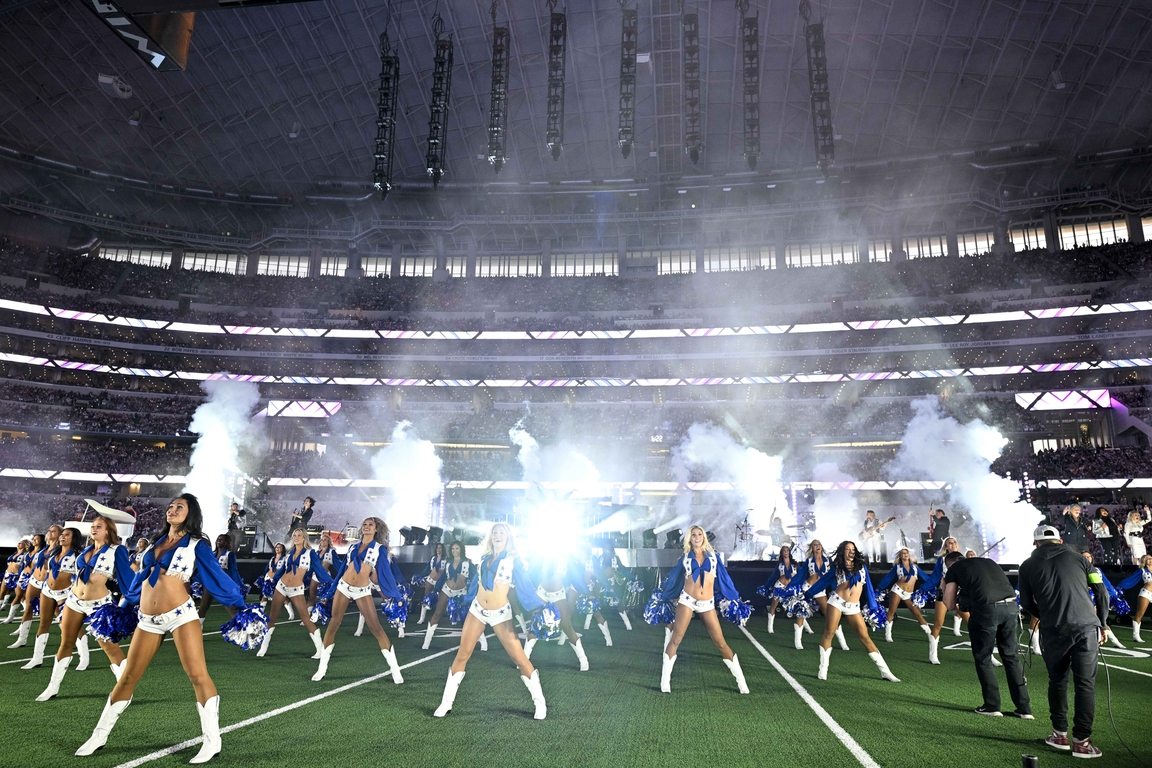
(563, 639)
(12, 612)
(533, 685)
(428, 635)
(587, 622)
(797, 634)
(933, 650)
(103, 727)
(624, 618)
(265, 643)
(359, 627)
(1114, 640)
(37, 652)
(888, 632)
(840, 638)
(583, 657)
(291, 613)
(483, 641)
(927, 629)
(666, 673)
(825, 657)
(808, 628)
(325, 657)
(956, 621)
(390, 655)
(317, 642)
(26, 626)
(771, 623)
(423, 612)
(82, 652)
(523, 626)
(400, 631)
(449, 696)
(885, 673)
(529, 644)
(59, 668)
(995, 661)
(667, 635)
(210, 728)
(1135, 634)
(118, 669)
(733, 665)
(607, 634)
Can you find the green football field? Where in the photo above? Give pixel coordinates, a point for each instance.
(612, 715)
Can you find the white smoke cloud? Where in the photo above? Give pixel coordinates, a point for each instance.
(224, 425)
(754, 474)
(836, 515)
(559, 464)
(938, 447)
(410, 466)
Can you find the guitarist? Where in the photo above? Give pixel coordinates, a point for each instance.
(874, 547)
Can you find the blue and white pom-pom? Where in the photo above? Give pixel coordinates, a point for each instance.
(197, 590)
(923, 597)
(416, 581)
(610, 599)
(736, 611)
(1120, 605)
(395, 611)
(457, 609)
(247, 628)
(110, 623)
(320, 613)
(34, 604)
(586, 604)
(659, 611)
(267, 587)
(430, 600)
(877, 618)
(764, 590)
(406, 592)
(545, 623)
(780, 593)
(636, 586)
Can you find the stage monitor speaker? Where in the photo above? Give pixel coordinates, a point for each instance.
(314, 531)
(649, 539)
(413, 536)
(435, 535)
(927, 551)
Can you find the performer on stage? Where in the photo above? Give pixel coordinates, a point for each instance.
(330, 561)
(939, 528)
(353, 585)
(431, 575)
(301, 563)
(902, 581)
(161, 592)
(24, 568)
(454, 582)
(871, 535)
(815, 565)
(102, 561)
(934, 585)
(12, 574)
(227, 560)
(1134, 532)
(37, 572)
(556, 576)
(500, 570)
(1140, 577)
(774, 589)
(699, 577)
(301, 517)
(61, 564)
(852, 593)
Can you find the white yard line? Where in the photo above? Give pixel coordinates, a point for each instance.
(845, 738)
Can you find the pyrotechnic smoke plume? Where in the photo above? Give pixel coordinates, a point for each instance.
(561, 464)
(937, 446)
(835, 512)
(224, 424)
(410, 466)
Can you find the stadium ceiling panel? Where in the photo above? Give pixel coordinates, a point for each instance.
(278, 97)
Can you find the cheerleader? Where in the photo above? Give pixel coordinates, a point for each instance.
(1116, 601)
(61, 565)
(37, 570)
(101, 561)
(227, 560)
(24, 576)
(353, 585)
(455, 580)
(142, 545)
(815, 565)
(1141, 577)
(160, 591)
(279, 552)
(700, 575)
(302, 563)
(775, 587)
(624, 584)
(431, 575)
(902, 582)
(934, 585)
(848, 580)
(12, 574)
(329, 560)
(554, 580)
(500, 570)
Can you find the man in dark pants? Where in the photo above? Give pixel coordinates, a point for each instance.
(987, 594)
(1054, 583)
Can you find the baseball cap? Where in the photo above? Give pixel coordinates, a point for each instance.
(1045, 533)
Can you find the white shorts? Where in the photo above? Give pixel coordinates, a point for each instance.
(86, 607)
(697, 606)
(819, 595)
(162, 623)
(493, 617)
(1146, 595)
(551, 597)
(903, 595)
(59, 595)
(290, 591)
(35, 583)
(430, 581)
(449, 592)
(353, 593)
(842, 605)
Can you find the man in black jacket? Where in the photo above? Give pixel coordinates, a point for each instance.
(1054, 583)
(1075, 527)
(300, 519)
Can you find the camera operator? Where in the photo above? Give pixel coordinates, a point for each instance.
(1054, 583)
(988, 596)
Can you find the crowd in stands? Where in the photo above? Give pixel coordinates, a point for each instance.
(1077, 462)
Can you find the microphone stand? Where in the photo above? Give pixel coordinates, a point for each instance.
(991, 547)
